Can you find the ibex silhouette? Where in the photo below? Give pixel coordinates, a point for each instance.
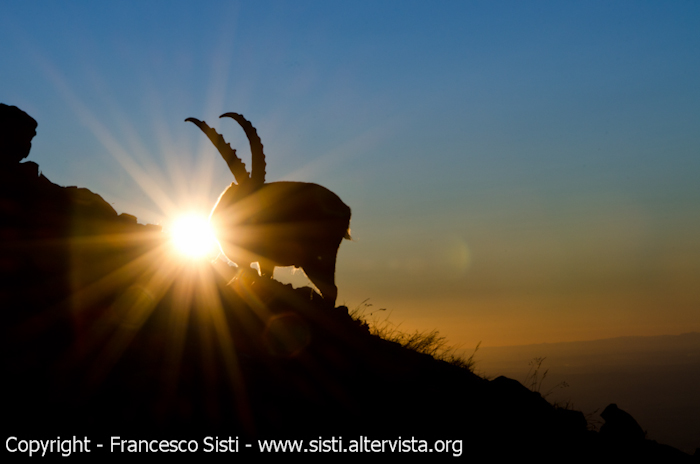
(280, 223)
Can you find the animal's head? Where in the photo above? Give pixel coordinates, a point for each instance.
(247, 181)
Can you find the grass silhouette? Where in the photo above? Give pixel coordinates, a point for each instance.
(428, 342)
(534, 379)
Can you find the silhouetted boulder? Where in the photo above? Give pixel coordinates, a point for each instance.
(17, 129)
(620, 425)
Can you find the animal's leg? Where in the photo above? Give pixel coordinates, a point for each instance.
(267, 268)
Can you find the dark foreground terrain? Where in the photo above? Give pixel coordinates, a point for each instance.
(107, 333)
(656, 379)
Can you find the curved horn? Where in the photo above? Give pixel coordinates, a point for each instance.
(257, 170)
(229, 154)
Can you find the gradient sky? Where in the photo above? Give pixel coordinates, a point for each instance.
(518, 172)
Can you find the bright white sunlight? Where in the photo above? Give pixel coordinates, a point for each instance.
(193, 237)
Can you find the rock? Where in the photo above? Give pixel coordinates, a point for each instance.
(620, 425)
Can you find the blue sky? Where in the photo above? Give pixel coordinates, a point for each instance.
(518, 172)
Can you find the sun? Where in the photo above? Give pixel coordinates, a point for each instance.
(193, 237)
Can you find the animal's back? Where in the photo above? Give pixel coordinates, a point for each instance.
(285, 222)
(297, 201)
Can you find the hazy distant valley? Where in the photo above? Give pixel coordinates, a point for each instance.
(656, 379)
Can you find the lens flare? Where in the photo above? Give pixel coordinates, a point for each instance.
(193, 237)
